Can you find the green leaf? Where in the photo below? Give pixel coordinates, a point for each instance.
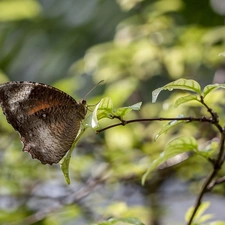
(199, 217)
(64, 165)
(121, 112)
(175, 147)
(208, 150)
(169, 125)
(204, 218)
(136, 106)
(185, 99)
(114, 221)
(181, 84)
(211, 87)
(104, 109)
(217, 223)
(91, 121)
(65, 161)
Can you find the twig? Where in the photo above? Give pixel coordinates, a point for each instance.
(187, 119)
(216, 166)
(208, 180)
(213, 114)
(216, 182)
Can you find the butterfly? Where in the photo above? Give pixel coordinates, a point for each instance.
(47, 119)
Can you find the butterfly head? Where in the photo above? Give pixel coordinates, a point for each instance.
(82, 108)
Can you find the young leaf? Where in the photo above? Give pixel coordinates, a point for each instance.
(211, 87)
(217, 223)
(64, 165)
(91, 121)
(104, 109)
(185, 99)
(199, 217)
(65, 161)
(208, 150)
(181, 84)
(169, 125)
(175, 147)
(136, 106)
(204, 218)
(121, 112)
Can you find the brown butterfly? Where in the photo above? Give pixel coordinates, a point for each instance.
(47, 119)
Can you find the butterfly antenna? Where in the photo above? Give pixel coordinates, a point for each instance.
(93, 88)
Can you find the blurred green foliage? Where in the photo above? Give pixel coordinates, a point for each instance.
(136, 46)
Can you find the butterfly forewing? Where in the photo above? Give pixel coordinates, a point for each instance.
(47, 119)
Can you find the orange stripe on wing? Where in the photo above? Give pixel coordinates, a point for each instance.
(40, 107)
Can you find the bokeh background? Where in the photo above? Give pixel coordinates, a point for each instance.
(135, 46)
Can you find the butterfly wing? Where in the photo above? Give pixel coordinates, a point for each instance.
(47, 119)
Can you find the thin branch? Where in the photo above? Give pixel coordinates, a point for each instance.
(216, 182)
(206, 185)
(217, 164)
(187, 119)
(202, 192)
(209, 109)
(213, 114)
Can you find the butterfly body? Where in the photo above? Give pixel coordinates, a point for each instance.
(46, 118)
